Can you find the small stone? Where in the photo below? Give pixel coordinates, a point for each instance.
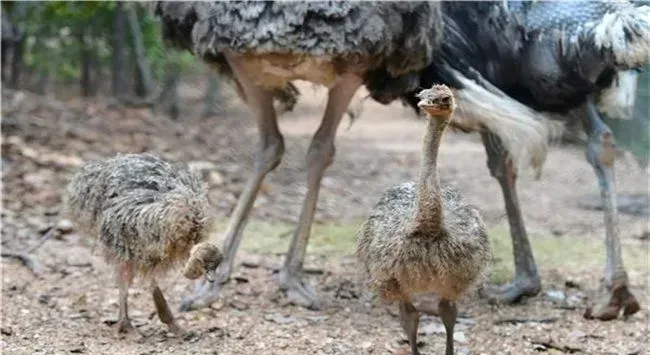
(576, 335)
(539, 347)
(64, 226)
(7, 331)
(78, 349)
(240, 279)
(460, 338)
(44, 298)
(216, 178)
(555, 295)
(239, 305)
(570, 283)
(366, 345)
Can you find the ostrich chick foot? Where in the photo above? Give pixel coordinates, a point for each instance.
(124, 326)
(298, 292)
(513, 292)
(609, 306)
(124, 329)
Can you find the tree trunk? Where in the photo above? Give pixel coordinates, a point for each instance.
(4, 48)
(7, 42)
(18, 45)
(95, 71)
(142, 64)
(212, 97)
(168, 99)
(119, 84)
(44, 79)
(17, 61)
(85, 63)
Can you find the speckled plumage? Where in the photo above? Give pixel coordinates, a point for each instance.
(402, 263)
(395, 38)
(424, 237)
(142, 209)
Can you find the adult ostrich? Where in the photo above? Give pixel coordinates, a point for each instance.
(263, 46)
(521, 68)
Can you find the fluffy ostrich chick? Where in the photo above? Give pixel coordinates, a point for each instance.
(147, 215)
(423, 238)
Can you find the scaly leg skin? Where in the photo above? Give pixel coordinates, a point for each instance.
(448, 315)
(164, 313)
(410, 319)
(600, 154)
(319, 156)
(527, 281)
(268, 156)
(125, 274)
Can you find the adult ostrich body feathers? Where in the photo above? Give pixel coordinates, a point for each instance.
(320, 38)
(520, 67)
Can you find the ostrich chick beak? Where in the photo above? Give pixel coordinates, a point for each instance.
(431, 108)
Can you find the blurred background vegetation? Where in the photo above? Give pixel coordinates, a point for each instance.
(115, 49)
(102, 47)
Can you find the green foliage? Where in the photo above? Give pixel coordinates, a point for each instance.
(578, 254)
(57, 32)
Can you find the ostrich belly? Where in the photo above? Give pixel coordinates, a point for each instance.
(276, 70)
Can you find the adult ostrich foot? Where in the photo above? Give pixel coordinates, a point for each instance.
(512, 292)
(298, 292)
(611, 302)
(207, 292)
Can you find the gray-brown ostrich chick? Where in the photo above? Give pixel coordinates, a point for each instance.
(424, 238)
(147, 214)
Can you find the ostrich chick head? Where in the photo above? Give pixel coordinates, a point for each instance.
(437, 102)
(204, 260)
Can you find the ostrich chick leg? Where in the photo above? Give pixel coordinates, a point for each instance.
(124, 279)
(527, 281)
(319, 156)
(410, 319)
(448, 315)
(600, 154)
(268, 156)
(164, 313)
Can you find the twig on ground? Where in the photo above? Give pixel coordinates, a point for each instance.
(49, 234)
(549, 343)
(25, 259)
(516, 320)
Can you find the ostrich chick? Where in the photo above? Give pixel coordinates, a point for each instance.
(147, 215)
(423, 238)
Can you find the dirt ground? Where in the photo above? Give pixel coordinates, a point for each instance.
(70, 306)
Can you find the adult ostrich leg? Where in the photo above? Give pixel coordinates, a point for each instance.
(526, 281)
(269, 153)
(600, 155)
